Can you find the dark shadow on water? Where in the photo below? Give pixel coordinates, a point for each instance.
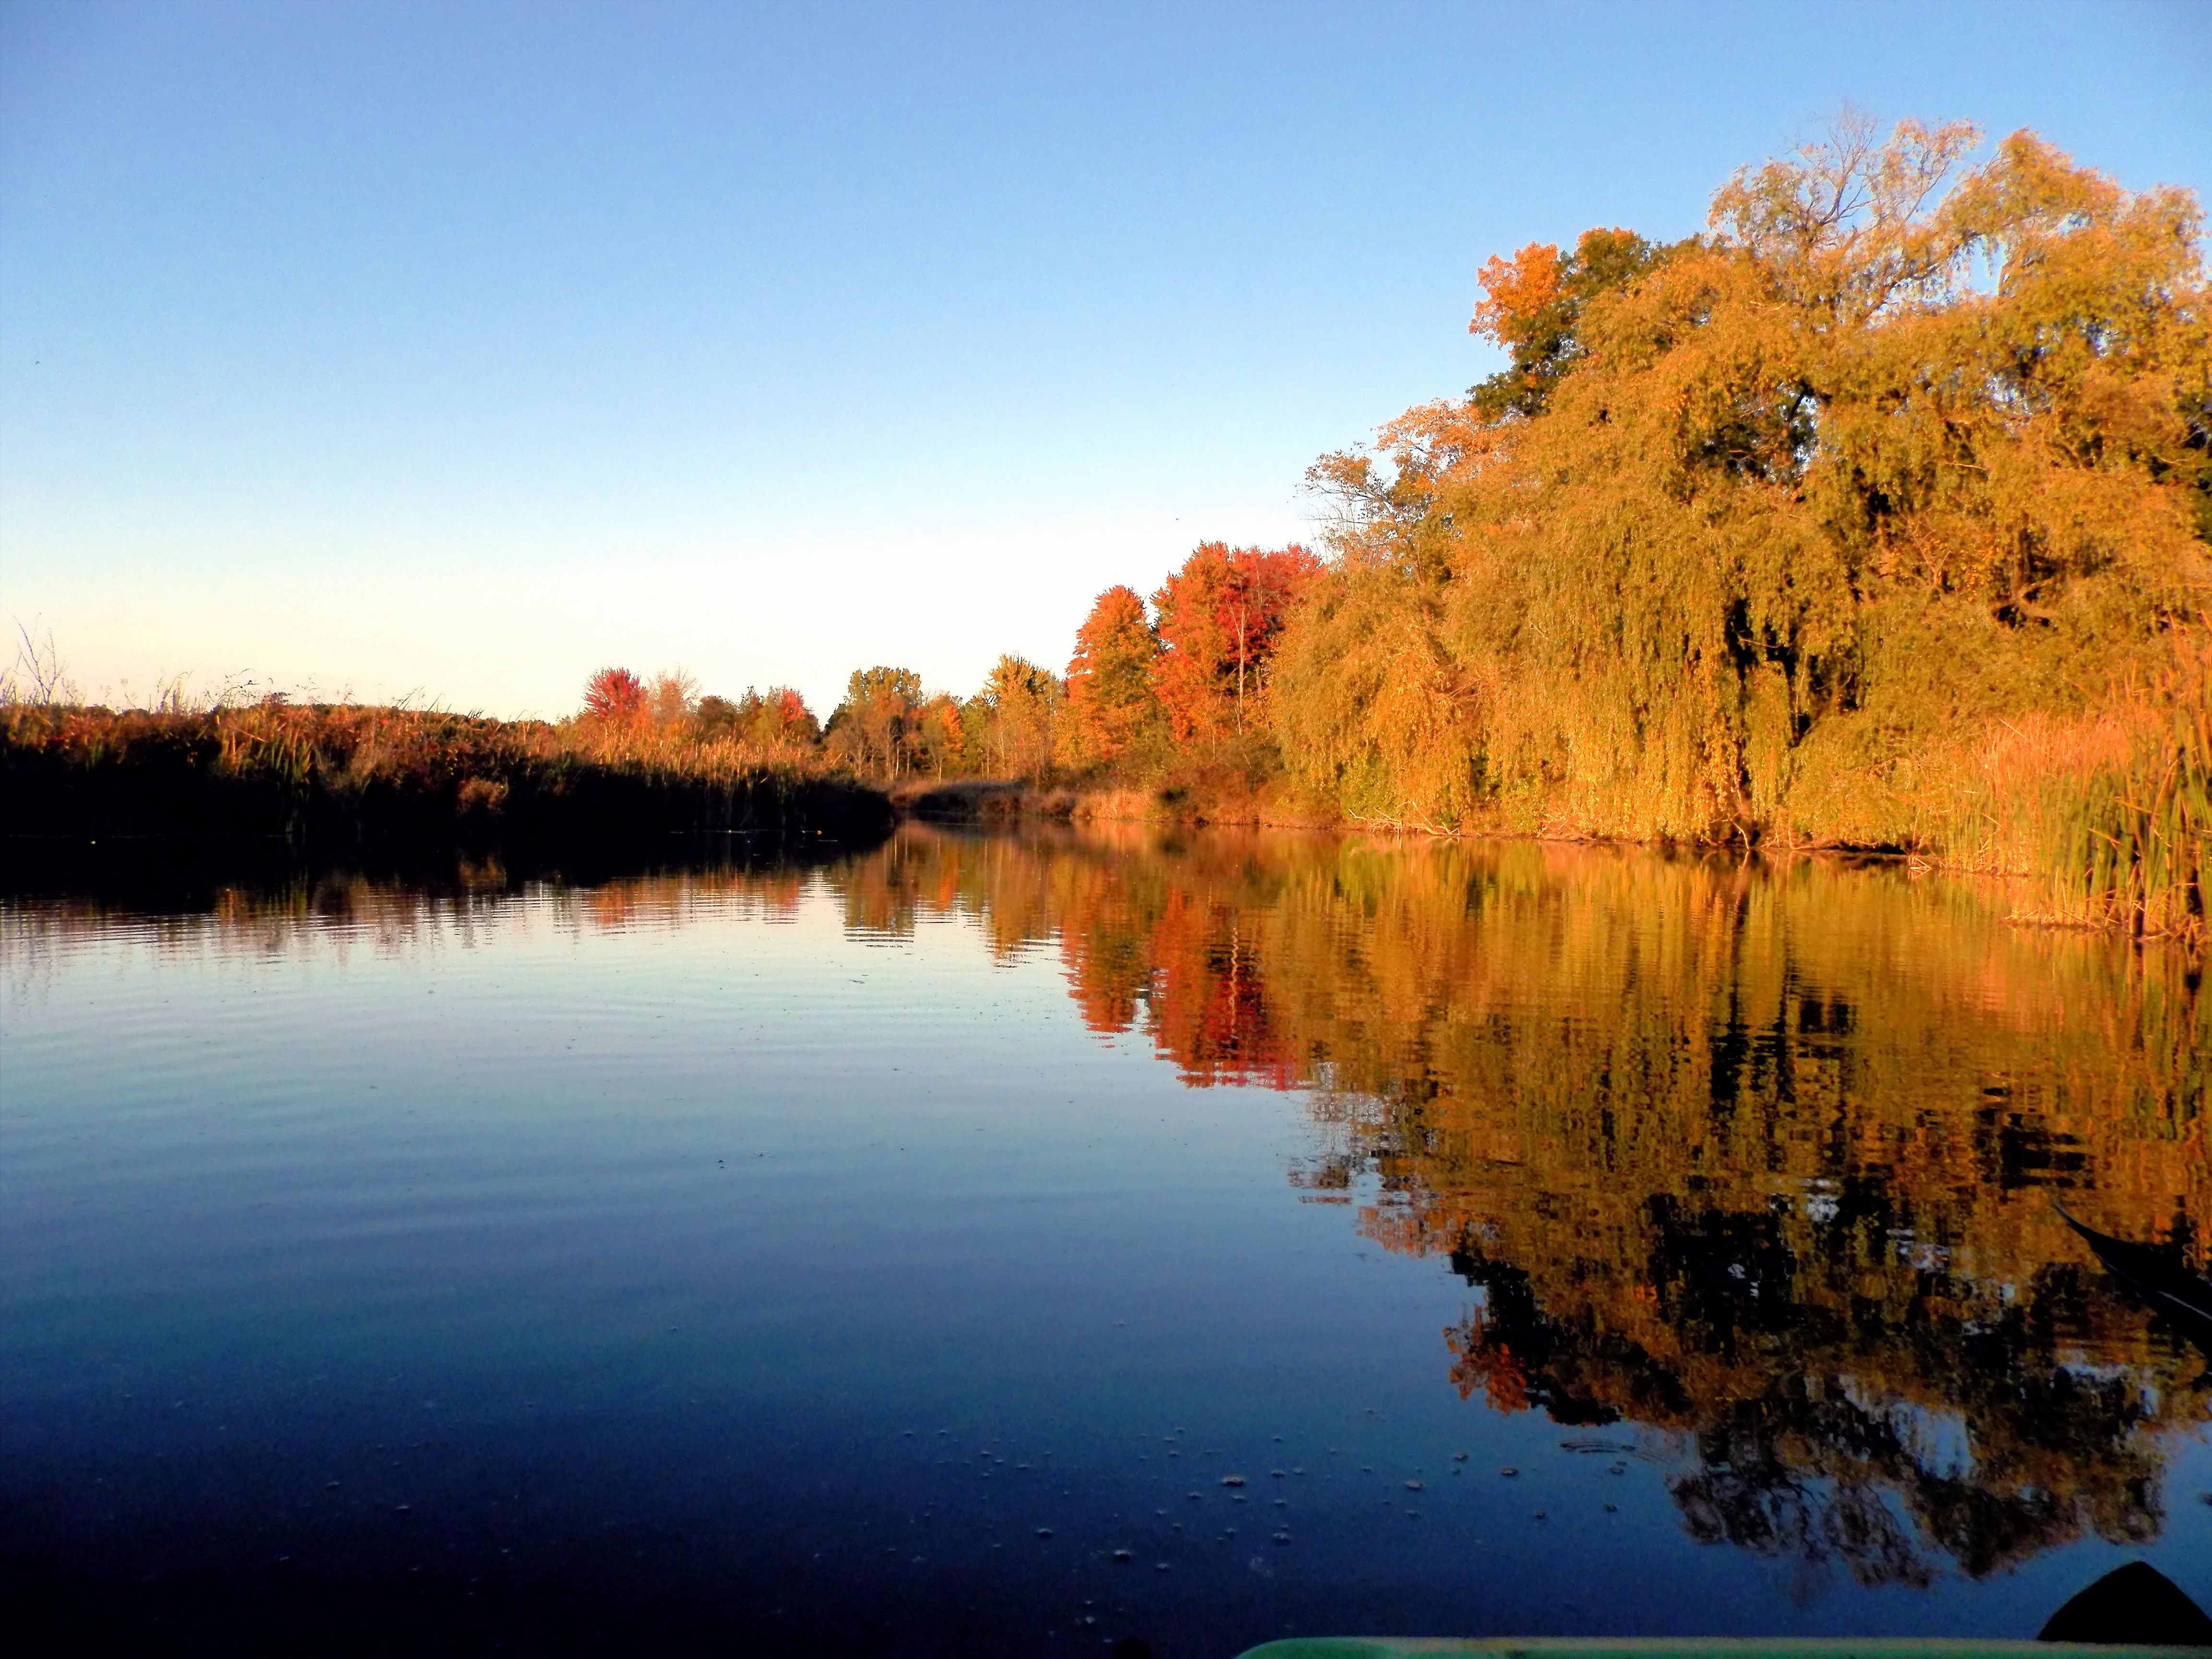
(154, 876)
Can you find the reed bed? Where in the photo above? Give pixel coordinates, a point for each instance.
(338, 774)
(2111, 815)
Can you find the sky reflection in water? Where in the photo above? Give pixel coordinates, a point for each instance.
(779, 1256)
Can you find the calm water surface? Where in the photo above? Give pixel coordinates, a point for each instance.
(1006, 1244)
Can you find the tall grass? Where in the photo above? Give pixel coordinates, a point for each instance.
(2111, 814)
(342, 772)
(2125, 845)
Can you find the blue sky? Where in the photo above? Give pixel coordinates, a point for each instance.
(459, 349)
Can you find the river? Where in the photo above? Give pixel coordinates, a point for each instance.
(1012, 1243)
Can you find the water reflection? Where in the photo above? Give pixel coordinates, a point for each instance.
(1760, 1158)
(1749, 1168)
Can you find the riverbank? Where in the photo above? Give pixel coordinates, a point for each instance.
(2116, 844)
(1006, 800)
(333, 775)
(2109, 834)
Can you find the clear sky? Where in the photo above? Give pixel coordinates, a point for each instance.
(462, 348)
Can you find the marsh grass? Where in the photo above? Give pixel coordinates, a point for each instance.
(2111, 815)
(355, 773)
(2125, 845)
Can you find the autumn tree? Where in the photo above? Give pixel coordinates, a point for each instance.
(1766, 533)
(777, 721)
(1111, 702)
(781, 719)
(1532, 303)
(674, 698)
(616, 699)
(1021, 705)
(942, 744)
(871, 731)
(1220, 617)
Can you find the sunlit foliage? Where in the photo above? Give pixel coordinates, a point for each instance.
(874, 731)
(343, 774)
(1765, 535)
(1020, 706)
(947, 743)
(1111, 705)
(776, 720)
(616, 699)
(1218, 617)
(1531, 304)
(674, 699)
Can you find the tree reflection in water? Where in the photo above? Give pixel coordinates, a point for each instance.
(1756, 1159)
(1749, 1165)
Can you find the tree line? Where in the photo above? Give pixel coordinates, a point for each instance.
(1143, 684)
(1879, 514)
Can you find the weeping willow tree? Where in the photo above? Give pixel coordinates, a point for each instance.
(1878, 514)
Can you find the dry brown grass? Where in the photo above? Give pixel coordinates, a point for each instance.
(274, 768)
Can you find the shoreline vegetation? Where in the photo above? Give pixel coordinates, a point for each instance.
(1877, 517)
(340, 777)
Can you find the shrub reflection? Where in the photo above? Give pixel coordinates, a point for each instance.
(1747, 1167)
(1759, 1160)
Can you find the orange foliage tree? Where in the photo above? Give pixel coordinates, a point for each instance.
(1532, 303)
(873, 729)
(1111, 700)
(942, 742)
(1219, 616)
(784, 717)
(616, 697)
(777, 720)
(1020, 704)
